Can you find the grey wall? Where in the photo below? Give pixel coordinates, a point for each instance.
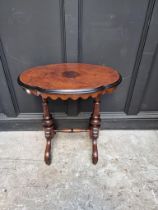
(122, 34)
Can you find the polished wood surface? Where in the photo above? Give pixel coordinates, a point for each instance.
(94, 125)
(71, 96)
(73, 81)
(49, 129)
(72, 78)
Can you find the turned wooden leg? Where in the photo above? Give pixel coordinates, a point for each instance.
(95, 123)
(49, 130)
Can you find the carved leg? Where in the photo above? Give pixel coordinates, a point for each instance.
(95, 123)
(48, 126)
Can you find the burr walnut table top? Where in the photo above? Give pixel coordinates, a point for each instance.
(69, 80)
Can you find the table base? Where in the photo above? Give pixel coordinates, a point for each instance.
(50, 130)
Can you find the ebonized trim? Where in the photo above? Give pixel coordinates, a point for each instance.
(70, 91)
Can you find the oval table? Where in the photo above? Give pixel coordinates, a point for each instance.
(70, 81)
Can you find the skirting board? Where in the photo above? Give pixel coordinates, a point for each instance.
(30, 122)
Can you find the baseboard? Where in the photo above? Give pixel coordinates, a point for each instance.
(116, 120)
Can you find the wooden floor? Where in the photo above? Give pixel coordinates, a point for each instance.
(126, 176)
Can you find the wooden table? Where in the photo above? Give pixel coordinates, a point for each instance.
(70, 81)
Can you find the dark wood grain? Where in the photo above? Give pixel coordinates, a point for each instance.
(95, 123)
(49, 129)
(72, 78)
(73, 81)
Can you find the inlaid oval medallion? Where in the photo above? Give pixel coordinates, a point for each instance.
(70, 74)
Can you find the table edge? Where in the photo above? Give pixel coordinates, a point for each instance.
(70, 91)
